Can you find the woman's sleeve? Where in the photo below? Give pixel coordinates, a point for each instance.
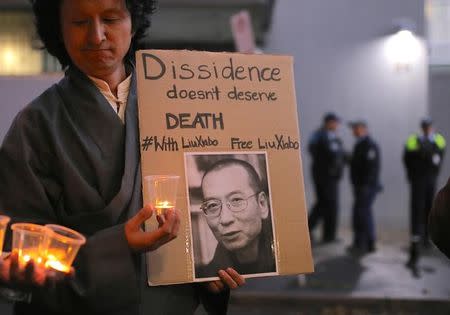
(27, 190)
(106, 275)
(439, 220)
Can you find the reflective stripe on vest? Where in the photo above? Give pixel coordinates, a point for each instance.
(412, 144)
(440, 141)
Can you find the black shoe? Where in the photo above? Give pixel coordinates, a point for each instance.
(330, 240)
(415, 270)
(426, 243)
(371, 248)
(410, 264)
(356, 250)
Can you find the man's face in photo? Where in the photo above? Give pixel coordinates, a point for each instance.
(235, 228)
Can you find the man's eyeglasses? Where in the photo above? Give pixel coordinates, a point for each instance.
(213, 207)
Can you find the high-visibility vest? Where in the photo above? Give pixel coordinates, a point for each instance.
(413, 143)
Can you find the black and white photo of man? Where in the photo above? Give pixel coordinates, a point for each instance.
(236, 206)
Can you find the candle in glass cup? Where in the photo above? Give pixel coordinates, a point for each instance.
(27, 242)
(3, 224)
(61, 247)
(162, 191)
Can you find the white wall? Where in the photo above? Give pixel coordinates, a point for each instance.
(340, 65)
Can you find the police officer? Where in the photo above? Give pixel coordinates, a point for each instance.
(327, 154)
(364, 172)
(422, 157)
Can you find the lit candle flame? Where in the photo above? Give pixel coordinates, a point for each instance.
(54, 263)
(26, 258)
(163, 205)
(57, 265)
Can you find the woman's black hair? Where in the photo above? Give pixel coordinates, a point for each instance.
(48, 25)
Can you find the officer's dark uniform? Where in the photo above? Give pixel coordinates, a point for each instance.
(364, 171)
(328, 161)
(422, 158)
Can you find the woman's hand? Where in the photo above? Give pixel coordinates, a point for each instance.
(229, 279)
(141, 241)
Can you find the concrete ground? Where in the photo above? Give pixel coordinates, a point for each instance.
(342, 284)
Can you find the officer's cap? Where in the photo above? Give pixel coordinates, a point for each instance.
(426, 122)
(330, 116)
(357, 123)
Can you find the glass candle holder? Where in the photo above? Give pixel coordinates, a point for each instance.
(27, 242)
(61, 247)
(162, 191)
(4, 220)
